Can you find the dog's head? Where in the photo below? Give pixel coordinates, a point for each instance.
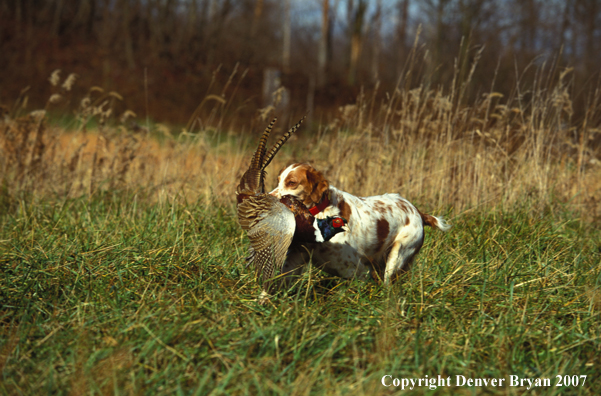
(303, 182)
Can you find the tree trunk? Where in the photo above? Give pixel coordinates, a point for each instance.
(358, 17)
(440, 32)
(375, 58)
(18, 19)
(287, 35)
(402, 34)
(591, 56)
(322, 56)
(564, 25)
(126, 34)
(56, 19)
(256, 18)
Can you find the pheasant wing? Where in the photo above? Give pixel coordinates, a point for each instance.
(270, 227)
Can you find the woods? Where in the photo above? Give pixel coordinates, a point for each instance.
(341, 45)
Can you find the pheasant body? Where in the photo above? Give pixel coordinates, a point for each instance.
(273, 224)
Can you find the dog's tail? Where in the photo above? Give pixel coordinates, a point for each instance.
(434, 221)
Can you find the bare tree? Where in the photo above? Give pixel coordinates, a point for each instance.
(588, 13)
(18, 18)
(216, 24)
(287, 28)
(322, 56)
(565, 24)
(357, 18)
(256, 18)
(126, 33)
(56, 19)
(529, 11)
(377, 27)
(403, 7)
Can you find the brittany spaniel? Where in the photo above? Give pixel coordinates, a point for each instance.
(385, 232)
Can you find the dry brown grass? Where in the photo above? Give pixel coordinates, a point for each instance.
(423, 143)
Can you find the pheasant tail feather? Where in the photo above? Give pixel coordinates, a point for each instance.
(252, 180)
(276, 147)
(260, 153)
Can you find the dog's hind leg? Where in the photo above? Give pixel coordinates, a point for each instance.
(401, 256)
(391, 261)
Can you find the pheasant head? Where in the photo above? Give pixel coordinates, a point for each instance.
(330, 226)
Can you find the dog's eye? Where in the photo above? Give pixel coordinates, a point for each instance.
(291, 183)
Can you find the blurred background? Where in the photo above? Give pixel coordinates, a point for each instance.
(164, 57)
(455, 103)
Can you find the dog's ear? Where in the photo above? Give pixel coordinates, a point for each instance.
(319, 185)
(318, 191)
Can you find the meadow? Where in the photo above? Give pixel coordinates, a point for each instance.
(122, 264)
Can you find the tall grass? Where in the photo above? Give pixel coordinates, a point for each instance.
(122, 270)
(115, 295)
(423, 143)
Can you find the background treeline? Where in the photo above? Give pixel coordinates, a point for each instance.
(165, 56)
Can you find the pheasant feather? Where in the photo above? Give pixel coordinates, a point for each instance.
(276, 147)
(252, 180)
(270, 223)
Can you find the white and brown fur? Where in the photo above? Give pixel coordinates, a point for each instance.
(385, 232)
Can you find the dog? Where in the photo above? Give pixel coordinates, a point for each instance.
(385, 232)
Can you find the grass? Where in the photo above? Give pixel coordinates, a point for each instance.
(114, 294)
(122, 264)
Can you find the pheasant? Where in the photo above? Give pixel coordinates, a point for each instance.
(273, 224)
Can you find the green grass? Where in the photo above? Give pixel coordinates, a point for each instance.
(114, 295)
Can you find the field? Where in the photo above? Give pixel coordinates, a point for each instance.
(122, 264)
